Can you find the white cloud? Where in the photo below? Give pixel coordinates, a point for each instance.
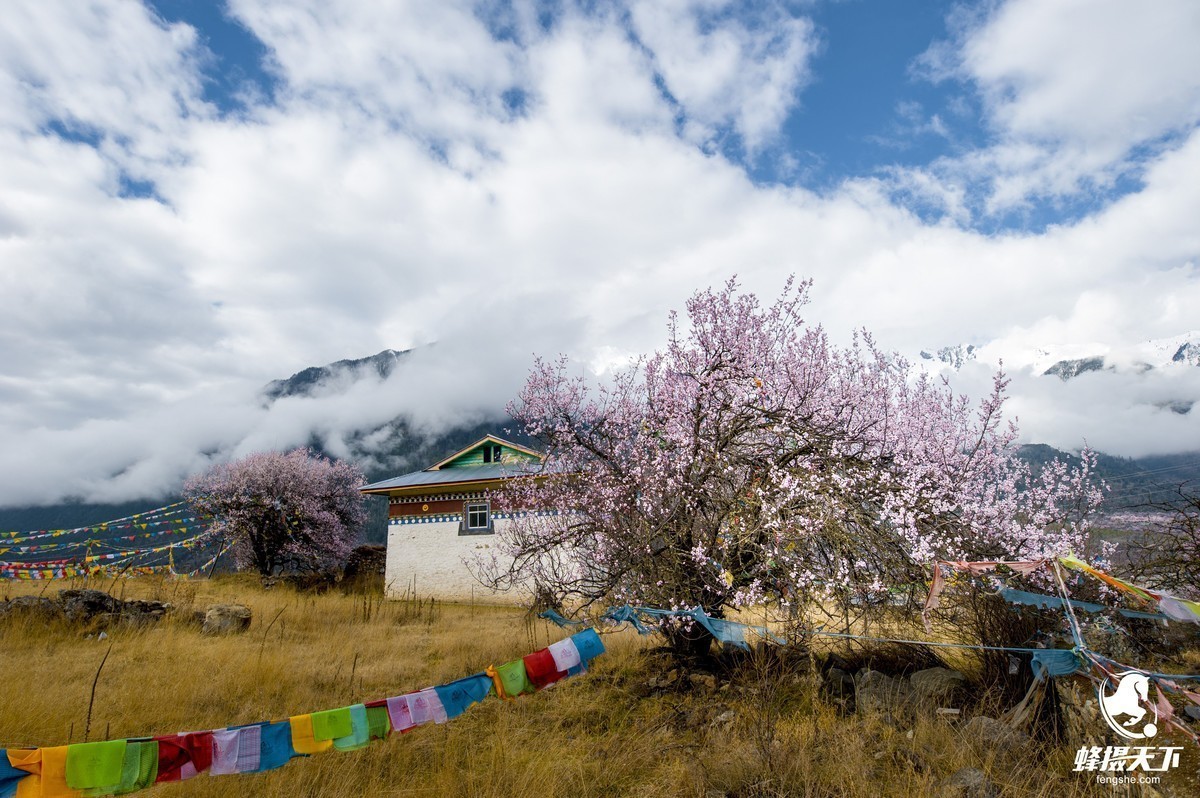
(724, 71)
(1074, 92)
(430, 68)
(109, 70)
(1111, 412)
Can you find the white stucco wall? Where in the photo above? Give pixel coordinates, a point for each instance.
(429, 558)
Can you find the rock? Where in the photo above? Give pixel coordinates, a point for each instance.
(968, 783)
(364, 570)
(222, 619)
(838, 688)
(40, 606)
(84, 605)
(669, 680)
(937, 685)
(989, 734)
(878, 692)
(143, 613)
(1080, 711)
(838, 684)
(725, 719)
(89, 608)
(1193, 713)
(911, 760)
(703, 681)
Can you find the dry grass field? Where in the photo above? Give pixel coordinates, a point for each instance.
(612, 732)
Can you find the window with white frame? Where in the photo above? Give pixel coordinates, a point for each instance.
(477, 518)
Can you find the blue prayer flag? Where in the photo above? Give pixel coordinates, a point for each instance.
(459, 695)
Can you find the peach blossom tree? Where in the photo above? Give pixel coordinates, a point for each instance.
(282, 511)
(751, 461)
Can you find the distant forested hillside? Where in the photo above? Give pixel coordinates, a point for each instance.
(1132, 482)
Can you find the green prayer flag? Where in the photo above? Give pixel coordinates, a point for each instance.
(378, 723)
(138, 771)
(91, 765)
(330, 724)
(361, 733)
(513, 677)
(1071, 561)
(147, 771)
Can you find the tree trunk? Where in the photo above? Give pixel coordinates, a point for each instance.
(688, 644)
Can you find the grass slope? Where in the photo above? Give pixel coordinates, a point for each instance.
(607, 733)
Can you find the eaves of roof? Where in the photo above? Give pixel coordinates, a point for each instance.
(452, 476)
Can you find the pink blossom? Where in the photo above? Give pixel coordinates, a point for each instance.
(280, 510)
(752, 460)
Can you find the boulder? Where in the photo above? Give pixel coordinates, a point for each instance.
(878, 692)
(837, 683)
(39, 606)
(84, 605)
(221, 619)
(989, 734)
(967, 783)
(837, 686)
(937, 685)
(1080, 710)
(88, 608)
(95, 606)
(138, 613)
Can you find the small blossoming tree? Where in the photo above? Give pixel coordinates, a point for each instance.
(1165, 549)
(282, 511)
(752, 460)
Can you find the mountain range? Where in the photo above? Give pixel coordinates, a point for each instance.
(1161, 357)
(1069, 361)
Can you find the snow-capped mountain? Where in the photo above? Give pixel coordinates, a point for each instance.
(315, 379)
(1128, 385)
(1069, 360)
(1188, 353)
(953, 356)
(1173, 352)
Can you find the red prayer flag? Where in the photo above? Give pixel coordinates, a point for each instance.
(540, 668)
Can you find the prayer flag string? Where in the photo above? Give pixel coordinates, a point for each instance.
(117, 767)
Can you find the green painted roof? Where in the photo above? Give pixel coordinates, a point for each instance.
(485, 454)
(470, 465)
(485, 451)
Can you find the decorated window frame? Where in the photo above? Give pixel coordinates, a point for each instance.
(477, 518)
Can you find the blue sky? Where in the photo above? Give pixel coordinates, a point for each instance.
(238, 59)
(867, 105)
(200, 197)
(863, 107)
(863, 110)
